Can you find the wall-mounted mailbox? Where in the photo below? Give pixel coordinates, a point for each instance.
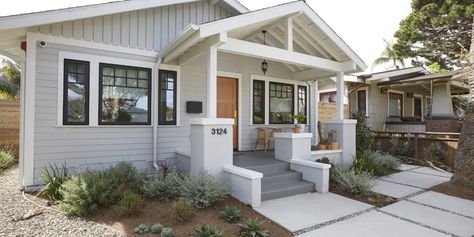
(194, 107)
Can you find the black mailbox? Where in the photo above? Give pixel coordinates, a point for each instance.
(194, 107)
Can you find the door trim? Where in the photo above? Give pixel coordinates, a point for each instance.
(237, 76)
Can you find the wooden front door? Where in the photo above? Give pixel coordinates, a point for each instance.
(227, 102)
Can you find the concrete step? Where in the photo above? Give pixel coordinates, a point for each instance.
(284, 189)
(270, 168)
(281, 177)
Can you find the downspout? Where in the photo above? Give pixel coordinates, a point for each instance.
(155, 114)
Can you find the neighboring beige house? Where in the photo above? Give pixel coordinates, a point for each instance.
(408, 100)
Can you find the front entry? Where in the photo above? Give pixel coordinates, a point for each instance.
(227, 102)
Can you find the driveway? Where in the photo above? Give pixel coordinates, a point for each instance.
(418, 212)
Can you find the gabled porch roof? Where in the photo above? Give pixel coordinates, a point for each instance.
(296, 37)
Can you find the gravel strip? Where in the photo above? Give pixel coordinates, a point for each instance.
(50, 223)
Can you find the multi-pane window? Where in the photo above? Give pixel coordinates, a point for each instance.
(258, 102)
(167, 98)
(302, 100)
(281, 103)
(395, 104)
(76, 92)
(362, 101)
(124, 94)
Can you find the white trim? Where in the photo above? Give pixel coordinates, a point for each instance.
(366, 89)
(386, 75)
(267, 81)
(94, 62)
(388, 101)
(178, 93)
(73, 13)
(237, 76)
(22, 123)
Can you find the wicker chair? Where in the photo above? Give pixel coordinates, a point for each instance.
(265, 136)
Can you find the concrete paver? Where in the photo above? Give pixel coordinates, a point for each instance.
(373, 224)
(441, 220)
(450, 203)
(404, 167)
(430, 171)
(305, 210)
(415, 179)
(393, 189)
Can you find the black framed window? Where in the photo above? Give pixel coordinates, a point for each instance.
(302, 101)
(281, 103)
(124, 94)
(362, 101)
(76, 92)
(167, 98)
(258, 102)
(395, 104)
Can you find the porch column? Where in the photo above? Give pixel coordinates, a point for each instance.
(442, 105)
(340, 96)
(217, 41)
(314, 103)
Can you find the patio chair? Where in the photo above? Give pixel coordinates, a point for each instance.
(261, 138)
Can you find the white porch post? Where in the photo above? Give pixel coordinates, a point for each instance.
(340, 96)
(314, 103)
(212, 82)
(289, 34)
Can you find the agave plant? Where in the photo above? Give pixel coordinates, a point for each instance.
(53, 177)
(252, 228)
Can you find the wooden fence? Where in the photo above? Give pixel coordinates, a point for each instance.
(10, 124)
(327, 111)
(420, 140)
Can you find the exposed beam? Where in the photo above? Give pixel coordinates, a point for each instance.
(176, 52)
(305, 35)
(200, 48)
(14, 58)
(288, 41)
(292, 68)
(268, 27)
(245, 48)
(311, 74)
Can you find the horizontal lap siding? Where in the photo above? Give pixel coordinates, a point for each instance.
(150, 29)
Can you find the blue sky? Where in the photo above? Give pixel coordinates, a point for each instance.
(363, 24)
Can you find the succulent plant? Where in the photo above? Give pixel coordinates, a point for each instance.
(156, 228)
(252, 228)
(136, 230)
(205, 230)
(144, 228)
(167, 232)
(231, 215)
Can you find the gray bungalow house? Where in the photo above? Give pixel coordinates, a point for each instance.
(146, 80)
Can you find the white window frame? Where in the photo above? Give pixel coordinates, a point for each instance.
(94, 61)
(267, 81)
(388, 101)
(366, 89)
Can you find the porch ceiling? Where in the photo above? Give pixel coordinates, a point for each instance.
(10, 41)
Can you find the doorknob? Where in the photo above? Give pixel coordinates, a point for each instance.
(235, 117)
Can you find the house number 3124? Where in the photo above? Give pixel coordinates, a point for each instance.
(218, 131)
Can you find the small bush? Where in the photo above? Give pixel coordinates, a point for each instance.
(362, 163)
(53, 178)
(435, 150)
(141, 229)
(6, 160)
(231, 215)
(348, 180)
(130, 204)
(164, 187)
(400, 147)
(167, 232)
(384, 163)
(182, 210)
(205, 230)
(204, 189)
(156, 228)
(324, 160)
(252, 228)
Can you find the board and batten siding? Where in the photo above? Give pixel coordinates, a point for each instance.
(150, 29)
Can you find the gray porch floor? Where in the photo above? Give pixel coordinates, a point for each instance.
(247, 159)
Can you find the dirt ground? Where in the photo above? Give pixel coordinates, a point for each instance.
(454, 190)
(158, 212)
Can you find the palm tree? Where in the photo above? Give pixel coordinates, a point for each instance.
(390, 54)
(9, 80)
(464, 163)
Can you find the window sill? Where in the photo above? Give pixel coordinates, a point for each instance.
(170, 126)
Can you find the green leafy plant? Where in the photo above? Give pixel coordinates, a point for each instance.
(324, 160)
(362, 163)
(53, 178)
(182, 210)
(231, 214)
(252, 228)
(384, 163)
(204, 189)
(6, 159)
(156, 228)
(365, 138)
(130, 204)
(141, 229)
(167, 232)
(435, 150)
(205, 230)
(300, 118)
(164, 187)
(348, 180)
(322, 140)
(400, 147)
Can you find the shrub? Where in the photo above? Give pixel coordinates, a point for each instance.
(252, 228)
(182, 210)
(6, 159)
(53, 178)
(130, 204)
(362, 163)
(205, 230)
(167, 232)
(231, 215)
(156, 228)
(89, 190)
(141, 229)
(348, 180)
(400, 147)
(365, 138)
(435, 150)
(384, 163)
(204, 189)
(324, 160)
(164, 187)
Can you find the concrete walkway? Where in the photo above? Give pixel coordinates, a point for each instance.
(418, 213)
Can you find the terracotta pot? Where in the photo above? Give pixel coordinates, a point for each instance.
(328, 147)
(335, 145)
(322, 147)
(296, 130)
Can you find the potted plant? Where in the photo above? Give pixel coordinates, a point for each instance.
(333, 140)
(300, 119)
(322, 141)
